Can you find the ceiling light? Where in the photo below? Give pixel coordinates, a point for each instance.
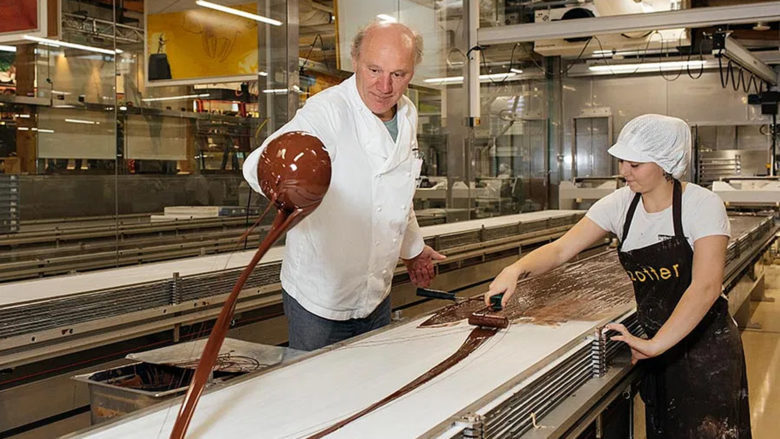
(262, 73)
(647, 66)
(5, 48)
(85, 122)
(459, 79)
(275, 91)
(387, 18)
(518, 71)
(57, 43)
(176, 98)
(238, 12)
(761, 26)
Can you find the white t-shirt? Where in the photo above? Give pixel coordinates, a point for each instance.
(703, 214)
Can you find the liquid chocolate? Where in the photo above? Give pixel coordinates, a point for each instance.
(476, 338)
(294, 173)
(585, 290)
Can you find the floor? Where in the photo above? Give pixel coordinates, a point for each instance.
(762, 352)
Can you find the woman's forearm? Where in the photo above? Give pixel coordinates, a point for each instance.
(690, 310)
(539, 261)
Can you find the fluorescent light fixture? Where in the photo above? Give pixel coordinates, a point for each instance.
(275, 91)
(5, 48)
(122, 108)
(385, 17)
(459, 79)
(85, 122)
(57, 92)
(262, 73)
(176, 98)
(22, 128)
(647, 66)
(22, 116)
(238, 12)
(43, 130)
(56, 43)
(518, 71)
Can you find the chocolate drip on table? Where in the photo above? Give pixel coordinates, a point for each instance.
(585, 290)
(477, 337)
(294, 173)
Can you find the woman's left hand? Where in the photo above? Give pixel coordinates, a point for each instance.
(641, 348)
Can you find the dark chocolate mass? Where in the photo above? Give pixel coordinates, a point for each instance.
(294, 171)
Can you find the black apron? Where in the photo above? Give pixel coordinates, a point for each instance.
(698, 388)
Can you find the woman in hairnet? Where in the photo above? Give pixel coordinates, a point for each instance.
(673, 239)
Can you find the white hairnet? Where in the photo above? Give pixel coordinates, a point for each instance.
(655, 138)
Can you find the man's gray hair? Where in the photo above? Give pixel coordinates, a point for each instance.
(357, 41)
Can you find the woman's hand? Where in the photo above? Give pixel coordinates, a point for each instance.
(505, 282)
(641, 348)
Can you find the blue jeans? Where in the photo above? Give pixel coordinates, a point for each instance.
(308, 331)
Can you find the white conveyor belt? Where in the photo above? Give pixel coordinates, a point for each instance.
(304, 397)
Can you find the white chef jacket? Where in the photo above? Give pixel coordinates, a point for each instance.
(339, 261)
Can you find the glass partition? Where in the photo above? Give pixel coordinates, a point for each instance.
(127, 129)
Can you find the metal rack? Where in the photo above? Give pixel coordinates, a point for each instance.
(9, 204)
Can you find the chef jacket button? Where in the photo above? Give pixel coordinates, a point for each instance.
(378, 209)
(384, 271)
(394, 240)
(377, 243)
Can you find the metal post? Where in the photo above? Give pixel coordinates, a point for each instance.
(476, 426)
(176, 295)
(471, 18)
(598, 353)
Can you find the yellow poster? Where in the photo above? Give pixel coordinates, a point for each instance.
(201, 44)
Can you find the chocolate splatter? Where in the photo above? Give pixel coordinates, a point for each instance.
(585, 290)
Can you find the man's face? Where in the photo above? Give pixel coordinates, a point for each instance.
(383, 69)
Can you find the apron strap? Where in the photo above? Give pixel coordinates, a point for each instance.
(629, 217)
(677, 209)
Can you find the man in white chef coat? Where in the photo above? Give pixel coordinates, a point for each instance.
(339, 261)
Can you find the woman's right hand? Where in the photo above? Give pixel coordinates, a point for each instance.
(505, 282)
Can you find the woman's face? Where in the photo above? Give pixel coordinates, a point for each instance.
(642, 177)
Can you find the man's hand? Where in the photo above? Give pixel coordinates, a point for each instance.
(420, 267)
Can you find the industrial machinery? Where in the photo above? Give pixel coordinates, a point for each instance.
(584, 191)
(52, 328)
(549, 374)
(755, 192)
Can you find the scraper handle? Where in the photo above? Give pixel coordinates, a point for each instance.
(435, 294)
(495, 302)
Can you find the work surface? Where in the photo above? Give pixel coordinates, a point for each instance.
(310, 395)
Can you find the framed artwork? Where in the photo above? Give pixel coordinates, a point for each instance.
(188, 44)
(39, 18)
